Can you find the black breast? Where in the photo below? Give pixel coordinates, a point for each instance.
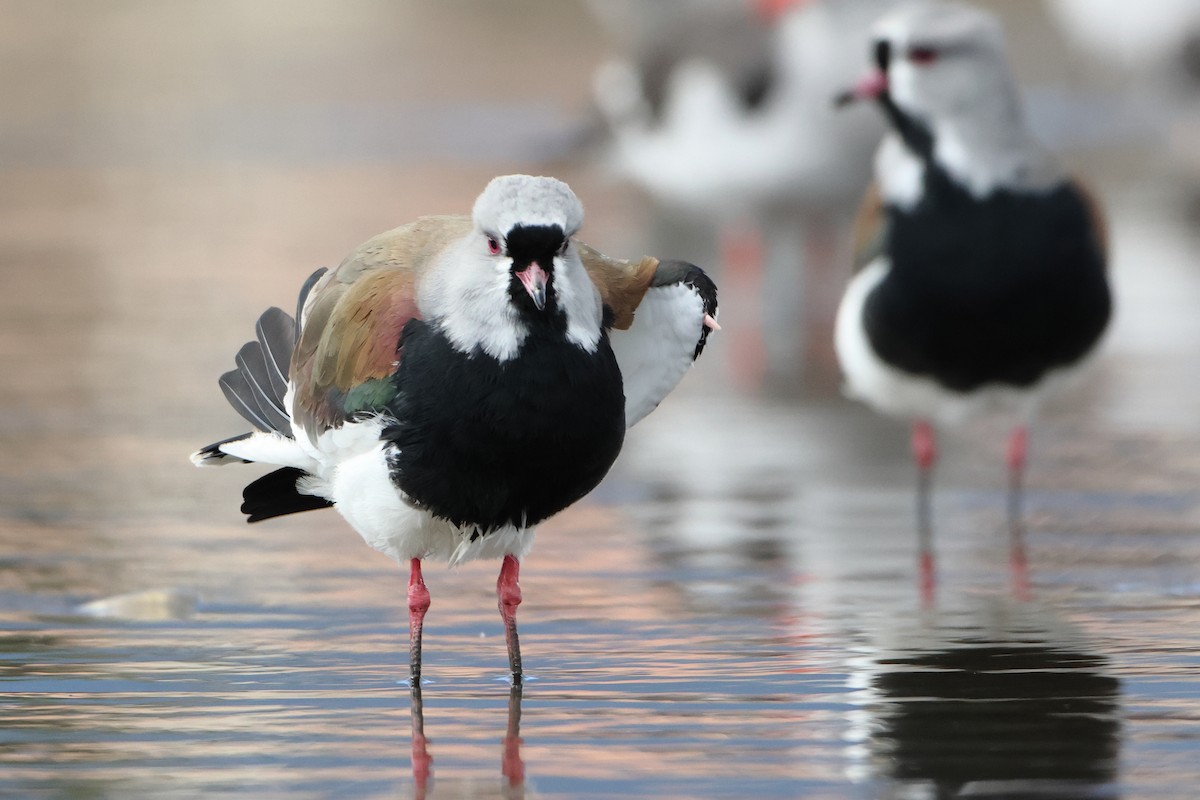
(487, 444)
(998, 290)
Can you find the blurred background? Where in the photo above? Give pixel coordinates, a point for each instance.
(734, 612)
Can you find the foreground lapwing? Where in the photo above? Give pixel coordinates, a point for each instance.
(981, 277)
(458, 380)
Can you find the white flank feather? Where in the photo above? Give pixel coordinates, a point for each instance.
(264, 448)
(364, 494)
(659, 348)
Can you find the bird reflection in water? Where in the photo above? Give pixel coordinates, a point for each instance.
(512, 766)
(1018, 560)
(422, 762)
(1018, 718)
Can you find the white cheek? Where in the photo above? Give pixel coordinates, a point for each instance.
(468, 298)
(578, 299)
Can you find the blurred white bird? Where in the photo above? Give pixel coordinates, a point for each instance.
(722, 112)
(723, 108)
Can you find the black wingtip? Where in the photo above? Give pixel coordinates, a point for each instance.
(213, 453)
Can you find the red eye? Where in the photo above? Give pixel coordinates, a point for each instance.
(493, 245)
(922, 55)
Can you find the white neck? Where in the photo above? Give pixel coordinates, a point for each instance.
(991, 148)
(980, 157)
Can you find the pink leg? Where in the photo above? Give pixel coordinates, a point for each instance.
(924, 449)
(508, 595)
(1018, 449)
(1018, 455)
(924, 445)
(418, 604)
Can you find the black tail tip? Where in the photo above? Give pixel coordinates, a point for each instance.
(275, 494)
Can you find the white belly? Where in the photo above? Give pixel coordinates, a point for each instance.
(365, 496)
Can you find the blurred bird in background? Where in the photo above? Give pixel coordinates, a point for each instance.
(720, 113)
(981, 279)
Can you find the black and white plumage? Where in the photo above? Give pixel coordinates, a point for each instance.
(982, 268)
(458, 380)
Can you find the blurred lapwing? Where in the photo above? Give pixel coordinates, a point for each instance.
(981, 276)
(719, 110)
(722, 108)
(458, 380)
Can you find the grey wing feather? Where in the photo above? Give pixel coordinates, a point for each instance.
(259, 385)
(253, 366)
(304, 291)
(277, 337)
(240, 395)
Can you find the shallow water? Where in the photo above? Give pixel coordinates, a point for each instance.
(654, 670)
(734, 613)
(679, 642)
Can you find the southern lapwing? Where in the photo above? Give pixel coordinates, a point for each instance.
(981, 277)
(457, 380)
